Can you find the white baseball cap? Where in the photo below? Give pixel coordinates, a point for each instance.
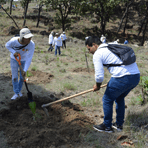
(64, 32)
(25, 33)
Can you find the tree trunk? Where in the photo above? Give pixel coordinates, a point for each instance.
(126, 11)
(39, 12)
(125, 23)
(11, 18)
(63, 25)
(25, 13)
(143, 38)
(11, 6)
(141, 26)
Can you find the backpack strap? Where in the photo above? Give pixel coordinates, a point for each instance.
(20, 47)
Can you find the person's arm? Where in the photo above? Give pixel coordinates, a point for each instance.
(29, 57)
(9, 46)
(99, 71)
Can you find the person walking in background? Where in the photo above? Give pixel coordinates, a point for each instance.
(63, 37)
(116, 42)
(103, 39)
(126, 41)
(57, 41)
(51, 41)
(124, 78)
(24, 46)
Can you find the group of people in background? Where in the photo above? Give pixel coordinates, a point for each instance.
(57, 40)
(103, 40)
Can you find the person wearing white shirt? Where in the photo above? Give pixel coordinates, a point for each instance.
(116, 42)
(63, 37)
(123, 79)
(24, 46)
(51, 41)
(57, 41)
(103, 39)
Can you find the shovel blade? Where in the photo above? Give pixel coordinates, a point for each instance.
(29, 94)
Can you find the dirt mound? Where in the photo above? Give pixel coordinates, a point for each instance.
(39, 77)
(65, 125)
(35, 77)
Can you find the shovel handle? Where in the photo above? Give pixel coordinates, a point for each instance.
(84, 92)
(19, 62)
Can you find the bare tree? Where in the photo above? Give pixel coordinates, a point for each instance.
(125, 15)
(11, 18)
(11, 6)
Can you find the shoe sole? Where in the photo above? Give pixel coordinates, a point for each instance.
(103, 130)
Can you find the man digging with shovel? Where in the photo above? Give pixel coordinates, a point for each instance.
(124, 78)
(24, 46)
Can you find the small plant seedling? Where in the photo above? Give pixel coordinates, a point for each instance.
(29, 74)
(34, 68)
(32, 106)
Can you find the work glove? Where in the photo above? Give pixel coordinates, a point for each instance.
(97, 86)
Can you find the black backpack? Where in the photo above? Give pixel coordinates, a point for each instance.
(125, 53)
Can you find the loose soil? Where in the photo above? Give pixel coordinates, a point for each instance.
(68, 126)
(64, 126)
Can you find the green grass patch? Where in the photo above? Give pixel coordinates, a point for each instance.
(69, 86)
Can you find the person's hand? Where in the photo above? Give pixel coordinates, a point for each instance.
(16, 54)
(97, 86)
(24, 74)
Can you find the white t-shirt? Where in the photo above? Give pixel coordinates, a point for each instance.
(50, 39)
(57, 41)
(63, 36)
(105, 56)
(26, 52)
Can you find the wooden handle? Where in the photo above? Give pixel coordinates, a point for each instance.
(84, 92)
(19, 62)
(22, 72)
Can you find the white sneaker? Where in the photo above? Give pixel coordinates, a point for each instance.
(14, 96)
(20, 94)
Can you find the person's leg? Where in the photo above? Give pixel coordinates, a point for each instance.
(55, 50)
(49, 47)
(21, 77)
(59, 50)
(64, 43)
(115, 88)
(14, 70)
(133, 80)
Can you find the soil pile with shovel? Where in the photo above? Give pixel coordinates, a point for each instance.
(65, 126)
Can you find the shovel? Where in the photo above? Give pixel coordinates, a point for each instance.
(84, 92)
(32, 104)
